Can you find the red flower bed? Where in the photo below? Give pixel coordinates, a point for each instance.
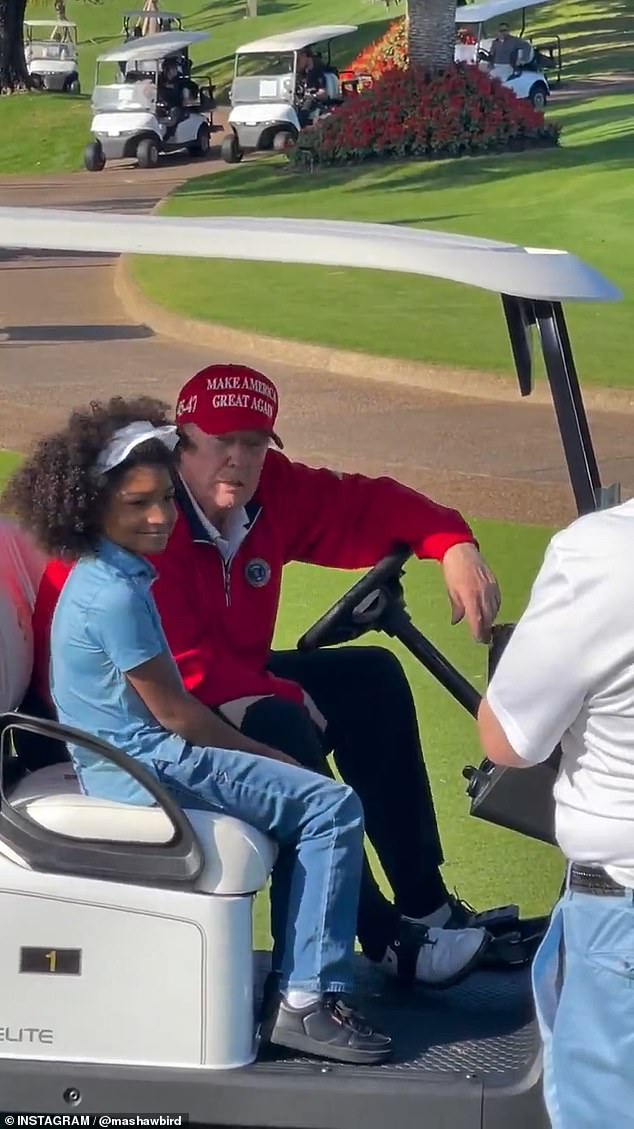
(410, 114)
(387, 53)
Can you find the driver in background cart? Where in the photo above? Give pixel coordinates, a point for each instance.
(244, 511)
(312, 90)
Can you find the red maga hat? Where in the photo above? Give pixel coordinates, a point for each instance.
(221, 399)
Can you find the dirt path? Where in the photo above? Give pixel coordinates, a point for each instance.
(65, 339)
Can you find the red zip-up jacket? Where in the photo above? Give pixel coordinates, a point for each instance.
(219, 619)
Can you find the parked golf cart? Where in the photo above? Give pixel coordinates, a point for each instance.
(266, 93)
(129, 120)
(53, 63)
(133, 22)
(526, 77)
(127, 976)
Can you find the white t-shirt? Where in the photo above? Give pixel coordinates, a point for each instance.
(21, 568)
(567, 675)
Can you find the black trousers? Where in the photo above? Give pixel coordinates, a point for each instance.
(373, 735)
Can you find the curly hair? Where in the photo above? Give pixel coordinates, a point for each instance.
(55, 493)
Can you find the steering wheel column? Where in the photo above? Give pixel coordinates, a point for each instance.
(377, 603)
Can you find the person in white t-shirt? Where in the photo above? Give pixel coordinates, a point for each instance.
(21, 568)
(567, 676)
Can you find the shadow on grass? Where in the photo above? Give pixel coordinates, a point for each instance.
(272, 178)
(596, 35)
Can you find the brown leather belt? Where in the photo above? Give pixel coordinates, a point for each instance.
(593, 880)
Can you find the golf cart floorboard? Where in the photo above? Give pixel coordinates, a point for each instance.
(464, 1057)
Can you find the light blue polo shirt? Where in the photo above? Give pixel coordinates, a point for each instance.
(106, 623)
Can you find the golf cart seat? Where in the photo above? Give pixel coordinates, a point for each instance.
(238, 858)
(333, 86)
(523, 56)
(170, 891)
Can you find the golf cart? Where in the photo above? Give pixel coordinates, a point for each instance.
(266, 93)
(127, 974)
(53, 63)
(129, 117)
(134, 21)
(525, 74)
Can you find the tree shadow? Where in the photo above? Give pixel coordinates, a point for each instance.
(49, 334)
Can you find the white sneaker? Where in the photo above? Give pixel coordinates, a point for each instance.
(436, 958)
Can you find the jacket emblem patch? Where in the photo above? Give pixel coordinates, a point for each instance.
(258, 572)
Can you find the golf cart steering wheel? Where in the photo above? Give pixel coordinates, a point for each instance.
(359, 609)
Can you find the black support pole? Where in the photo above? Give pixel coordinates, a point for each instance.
(571, 417)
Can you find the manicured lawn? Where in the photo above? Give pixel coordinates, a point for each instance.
(8, 460)
(575, 198)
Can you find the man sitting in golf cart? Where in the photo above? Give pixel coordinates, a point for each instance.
(174, 92)
(312, 85)
(245, 511)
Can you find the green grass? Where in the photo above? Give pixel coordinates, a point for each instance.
(575, 198)
(488, 865)
(8, 460)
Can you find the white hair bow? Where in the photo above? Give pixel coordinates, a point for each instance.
(127, 438)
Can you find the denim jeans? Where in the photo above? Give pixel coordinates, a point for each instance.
(583, 984)
(318, 825)
(372, 731)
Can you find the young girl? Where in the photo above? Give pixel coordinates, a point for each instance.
(100, 493)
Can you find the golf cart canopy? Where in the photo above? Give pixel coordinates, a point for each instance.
(296, 40)
(492, 10)
(525, 272)
(49, 23)
(153, 47)
(532, 283)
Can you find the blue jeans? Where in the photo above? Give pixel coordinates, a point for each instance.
(583, 984)
(318, 825)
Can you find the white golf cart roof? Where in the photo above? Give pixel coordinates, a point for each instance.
(296, 40)
(525, 272)
(492, 10)
(49, 23)
(153, 47)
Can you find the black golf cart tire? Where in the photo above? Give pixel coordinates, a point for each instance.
(284, 139)
(200, 148)
(147, 153)
(538, 96)
(94, 160)
(74, 87)
(230, 150)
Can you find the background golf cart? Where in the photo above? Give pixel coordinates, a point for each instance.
(527, 78)
(128, 120)
(263, 94)
(141, 22)
(466, 1058)
(53, 63)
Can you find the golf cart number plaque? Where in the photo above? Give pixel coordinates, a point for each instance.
(66, 962)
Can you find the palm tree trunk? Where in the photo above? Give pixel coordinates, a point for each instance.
(13, 72)
(431, 33)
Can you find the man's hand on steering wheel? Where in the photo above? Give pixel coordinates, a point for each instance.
(473, 590)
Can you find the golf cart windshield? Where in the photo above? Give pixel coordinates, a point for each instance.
(50, 49)
(263, 78)
(116, 93)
